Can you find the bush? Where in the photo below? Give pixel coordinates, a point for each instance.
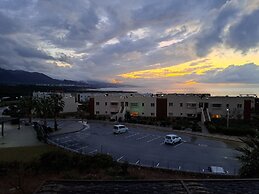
(102, 161)
(55, 161)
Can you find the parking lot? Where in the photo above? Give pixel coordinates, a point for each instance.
(146, 147)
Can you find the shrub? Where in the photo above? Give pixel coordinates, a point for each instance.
(55, 161)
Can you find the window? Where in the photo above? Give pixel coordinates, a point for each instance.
(142, 113)
(105, 112)
(239, 105)
(105, 103)
(134, 104)
(171, 104)
(126, 104)
(181, 104)
(114, 103)
(152, 104)
(97, 103)
(97, 112)
(143, 104)
(216, 105)
(227, 105)
(191, 105)
(152, 114)
(181, 113)
(171, 114)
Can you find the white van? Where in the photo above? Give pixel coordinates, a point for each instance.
(120, 129)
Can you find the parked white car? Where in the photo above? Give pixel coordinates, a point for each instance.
(217, 170)
(120, 129)
(172, 139)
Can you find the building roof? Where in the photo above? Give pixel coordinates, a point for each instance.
(223, 186)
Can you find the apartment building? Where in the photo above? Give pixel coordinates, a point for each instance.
(70, 104)
(202, 106)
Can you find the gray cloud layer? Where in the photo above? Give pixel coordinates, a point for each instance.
(35, 32)
(248, 73)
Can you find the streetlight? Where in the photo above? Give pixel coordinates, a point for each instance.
(227, 117)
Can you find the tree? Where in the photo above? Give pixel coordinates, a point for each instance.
(249, 158)
(82, 109)
(26, 105)
(56, 106)
(42, 108)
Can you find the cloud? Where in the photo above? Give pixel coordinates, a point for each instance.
(244, 35)
(212, 33)
(247, 73)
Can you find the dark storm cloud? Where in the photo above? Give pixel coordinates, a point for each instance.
(247, 73)
(245, 34)
(212, 33)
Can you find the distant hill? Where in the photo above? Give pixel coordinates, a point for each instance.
(13, 77)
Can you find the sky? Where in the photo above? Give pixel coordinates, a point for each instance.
(169, 46)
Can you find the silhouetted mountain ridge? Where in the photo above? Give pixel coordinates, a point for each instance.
(35, 78)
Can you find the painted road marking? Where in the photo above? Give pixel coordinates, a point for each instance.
(71, 140)
(142, 137)
(120, 158)
(92, 151)
(131, 135)
(153, 139)
(178, 144)
(202, 145)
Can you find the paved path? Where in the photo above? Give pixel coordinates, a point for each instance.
(13, 137)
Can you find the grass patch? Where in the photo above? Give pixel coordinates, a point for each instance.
(24, 154)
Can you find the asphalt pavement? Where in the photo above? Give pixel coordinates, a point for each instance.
(146, 147)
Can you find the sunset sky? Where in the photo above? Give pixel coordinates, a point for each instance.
(197, 46)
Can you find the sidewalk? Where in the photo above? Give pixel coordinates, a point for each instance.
(13, 137)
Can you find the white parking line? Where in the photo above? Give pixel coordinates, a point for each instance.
(137, 162)
(178, 144)
(142, 137)
(120, 158)
(92, 151)
(72, 145)
(203, 145)
(71, 140)
(131, 135)
(153, 139)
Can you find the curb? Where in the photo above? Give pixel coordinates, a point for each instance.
(85, 126)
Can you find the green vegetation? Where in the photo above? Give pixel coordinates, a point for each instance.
(249, 158)
(236, 127)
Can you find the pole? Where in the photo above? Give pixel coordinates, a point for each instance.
(227, 118)
(2, 129)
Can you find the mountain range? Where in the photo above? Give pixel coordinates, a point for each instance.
(15, 77)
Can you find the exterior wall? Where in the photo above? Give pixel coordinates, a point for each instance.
(137, 105)
(177, 105)
(182, 105)
(235, 106)
(70, 104)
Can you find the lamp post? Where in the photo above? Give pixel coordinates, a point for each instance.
(227, 117)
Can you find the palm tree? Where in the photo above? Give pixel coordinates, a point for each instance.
(249, 158)
(56, 106)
